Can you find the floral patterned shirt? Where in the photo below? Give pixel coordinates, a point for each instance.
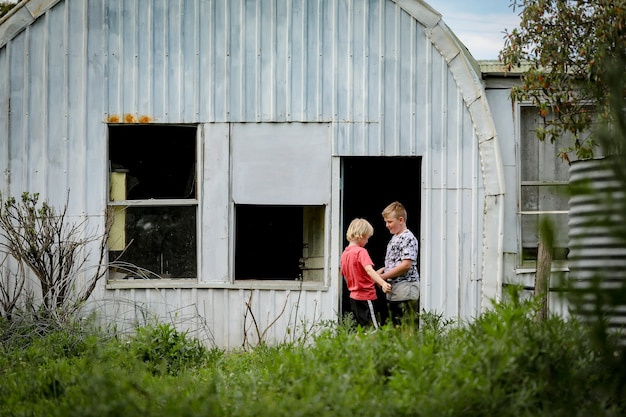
(402, 246)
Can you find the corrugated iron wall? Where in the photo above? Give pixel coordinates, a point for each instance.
(367, 66)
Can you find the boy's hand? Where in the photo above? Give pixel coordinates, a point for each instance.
(387, 288)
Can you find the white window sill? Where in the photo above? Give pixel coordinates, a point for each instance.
(533, 269)
(281, 285)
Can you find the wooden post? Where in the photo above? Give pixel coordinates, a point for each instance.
(544, 265)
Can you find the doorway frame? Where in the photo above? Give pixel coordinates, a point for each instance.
(376, 179)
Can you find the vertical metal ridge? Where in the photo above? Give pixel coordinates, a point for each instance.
(394, 120)
(238, 50)
(4, 118)
(258, 76)
(318, 66)
(77, 133)
(289, 51)
(304, 54)
(44, 113)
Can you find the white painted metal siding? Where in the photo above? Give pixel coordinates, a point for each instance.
(385, 74)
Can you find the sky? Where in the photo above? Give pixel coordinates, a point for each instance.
(479, 24)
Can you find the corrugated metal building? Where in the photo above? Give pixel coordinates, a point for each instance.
(237, 139)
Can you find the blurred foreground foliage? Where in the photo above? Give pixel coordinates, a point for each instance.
(503, 363)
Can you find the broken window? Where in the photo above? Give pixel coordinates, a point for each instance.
(544, 182)
(153, 201)
(279, 242)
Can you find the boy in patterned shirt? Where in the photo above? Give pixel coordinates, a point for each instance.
(358, 271)
(400, 265)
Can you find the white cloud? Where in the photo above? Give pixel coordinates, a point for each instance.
(479, 25)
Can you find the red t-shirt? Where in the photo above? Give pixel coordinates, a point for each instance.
(353, 261)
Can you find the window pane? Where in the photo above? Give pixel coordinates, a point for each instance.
(540, 160)
(157, 161)
(161, 240)
(544, 198)
(530, 234)
(558, 254)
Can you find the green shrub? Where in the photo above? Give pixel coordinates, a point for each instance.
(166, 350)
(503, 363)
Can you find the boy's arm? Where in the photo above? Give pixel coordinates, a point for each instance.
(398, 270)
(377, 279)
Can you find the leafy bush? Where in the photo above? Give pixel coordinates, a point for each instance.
(503, 363)
(39, 239)
(165, 349)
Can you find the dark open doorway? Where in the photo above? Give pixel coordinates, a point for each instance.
(369, 185)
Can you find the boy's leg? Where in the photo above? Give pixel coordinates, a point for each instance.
(364, 313)
(411, 312)
(382, 308)
(396, 311)
(404, 310)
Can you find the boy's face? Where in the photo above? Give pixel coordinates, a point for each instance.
(394, 224)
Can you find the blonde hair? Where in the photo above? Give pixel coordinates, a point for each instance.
(359, 229)
(396, 210)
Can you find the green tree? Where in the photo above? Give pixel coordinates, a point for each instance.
(568, 45)
(5, 7)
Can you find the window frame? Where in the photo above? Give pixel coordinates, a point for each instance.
(522, 262)
(312, 261)
(299, 152)
(162, 202)
(216, 221)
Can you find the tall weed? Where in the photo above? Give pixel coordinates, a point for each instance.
(503, 363)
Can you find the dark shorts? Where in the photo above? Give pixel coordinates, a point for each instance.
(364, 312)
(404, 310)
(404, 301)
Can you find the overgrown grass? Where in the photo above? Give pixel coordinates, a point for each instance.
(503, 363)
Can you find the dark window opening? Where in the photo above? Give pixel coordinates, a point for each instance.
(153, 202)
(558, 254)
(279, 242)
(159, 161)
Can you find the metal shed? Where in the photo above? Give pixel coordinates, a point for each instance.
(305, 112)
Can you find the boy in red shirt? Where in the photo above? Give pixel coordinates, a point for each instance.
(357, 269)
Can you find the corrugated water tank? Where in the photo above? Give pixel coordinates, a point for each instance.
(597, 241)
